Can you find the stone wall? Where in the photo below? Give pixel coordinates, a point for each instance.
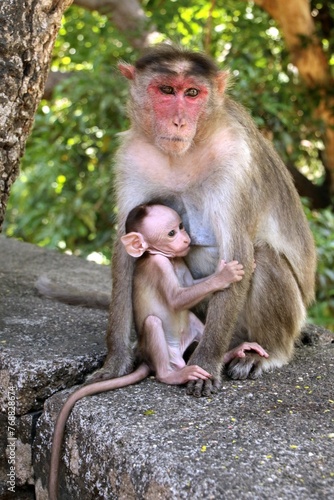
(269, 438)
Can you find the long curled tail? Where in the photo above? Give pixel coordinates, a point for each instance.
(88, 390)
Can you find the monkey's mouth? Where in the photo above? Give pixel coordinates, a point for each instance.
(173, 139)
(186, 250)
(174, 145)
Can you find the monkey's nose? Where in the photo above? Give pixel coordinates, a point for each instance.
(179, 122)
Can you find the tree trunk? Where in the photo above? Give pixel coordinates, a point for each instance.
(28, 31)
(298, 28)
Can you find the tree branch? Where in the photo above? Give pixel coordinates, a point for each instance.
(126, 15)
(319, 196)
(298, 28)
(53, 79)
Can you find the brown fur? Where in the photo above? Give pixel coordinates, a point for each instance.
(218, 172)
(164, 291)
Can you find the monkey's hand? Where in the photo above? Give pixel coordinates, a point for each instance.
(229, 272)
(114, 366)
(240, 351)
(205, 387)
(183, 375)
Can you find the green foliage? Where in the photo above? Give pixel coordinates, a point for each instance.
(63, 198)
(322, 226)
(244, 39)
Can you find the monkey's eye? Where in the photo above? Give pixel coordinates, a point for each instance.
(181, 226)
(192, 92)
(166, 89)
(171, 233)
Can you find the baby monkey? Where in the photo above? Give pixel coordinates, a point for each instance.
(164, 291)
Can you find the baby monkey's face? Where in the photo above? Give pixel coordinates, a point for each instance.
(163, 231)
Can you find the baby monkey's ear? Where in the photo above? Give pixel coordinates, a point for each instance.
(135, 244)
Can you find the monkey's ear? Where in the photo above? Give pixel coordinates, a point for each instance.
(134, 243)
(222, 80)
(127, 70)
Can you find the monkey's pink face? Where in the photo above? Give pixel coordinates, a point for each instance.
(164, 232)
(177, 104)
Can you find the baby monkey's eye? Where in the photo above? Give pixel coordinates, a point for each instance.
(171, 233)
(181, 226)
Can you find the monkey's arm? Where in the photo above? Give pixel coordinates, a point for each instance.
(181, 298)
(119, 358)
(120, 312)
(223, 311)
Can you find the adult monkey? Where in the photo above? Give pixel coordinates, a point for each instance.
(199, 152)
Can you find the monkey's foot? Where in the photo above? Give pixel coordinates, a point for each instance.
(208, 387)
(200, 388)
(251, 366)
(113, 367)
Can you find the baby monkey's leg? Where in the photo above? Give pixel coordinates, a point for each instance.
(167, 362)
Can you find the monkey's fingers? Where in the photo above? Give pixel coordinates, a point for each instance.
(240, 351)
(254, 346)
(97, 376)
(196, 376)
(198, 372)
(235, 264)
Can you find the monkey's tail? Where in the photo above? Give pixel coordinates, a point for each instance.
(88, 390)
(71, 295)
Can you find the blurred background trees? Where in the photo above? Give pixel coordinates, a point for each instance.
(281, 62)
